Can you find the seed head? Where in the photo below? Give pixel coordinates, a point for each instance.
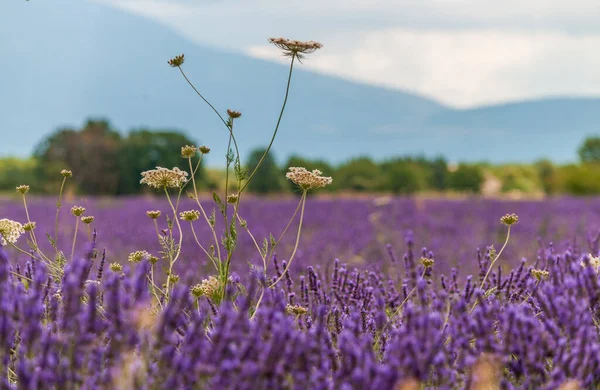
(594, 262)
(232, 198)
(292, 48)
(540, 274)
(426, 262)
(234, 114)
(208, 287)
(174, 278)
(29, 226)
(295, 310)
(10, 231)
(509, 219)
(116, 267)
(204, 149)
(154, 214)
(176, 61)
(308, 180)
(190, 215)
(164, 178)
(137, 256)
(77, 210)
(66, 173)
(153, 259)
(188, 151)
(23, 189)
(87, 219)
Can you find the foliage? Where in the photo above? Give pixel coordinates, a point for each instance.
(15, 171)
(589, 152)
(467, 178)
(359, 174)
(268, 178)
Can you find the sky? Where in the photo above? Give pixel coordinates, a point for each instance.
(463, 53)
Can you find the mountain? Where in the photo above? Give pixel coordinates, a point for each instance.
(67, 60)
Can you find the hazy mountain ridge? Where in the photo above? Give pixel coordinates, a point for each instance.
(98, 61)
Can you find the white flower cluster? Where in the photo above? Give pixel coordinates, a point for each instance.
(295, 48)
(164, 178)
(306, 179)
(10, 231)
(594, 262)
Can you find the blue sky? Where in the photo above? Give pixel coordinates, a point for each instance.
(463, 53)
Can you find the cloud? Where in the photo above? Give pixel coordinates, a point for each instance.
(461, 52)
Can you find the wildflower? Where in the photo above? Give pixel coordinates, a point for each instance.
(234, 114)
(509, 219)
(540, 274)
(176, 61)
(87, 219)
(77, 210)
(208, 287)
(154, 214)
(190, 215)
(295, 310)
(10, 231)
(173, 278)
(164, 178)
(204, 149)
(594, 262)
(188, 151)
(66, 173)
(23, 189)
(427, 263)
(29, 226)
(232, 198)
(153, 260)
(137, 256)
(116, 267)
(308, 180)
(292, 48)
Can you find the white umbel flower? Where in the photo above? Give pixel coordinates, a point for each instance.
(306, 179)
(164, 178)
(10, 231)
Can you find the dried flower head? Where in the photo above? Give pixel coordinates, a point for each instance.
(23, 189)
(153, 260)
(308, 180)
(10, 231)
(77, 210)
(87, 219)
(29, 226)
(295, 310)
(427, 262)
(204, 149)
(154, 214)
(188, 151)
(164, 178)
(208, 287)
(66, 173)
(594, 262)
(232, 198)
(173, 278)
(298, 49)
(116, 267)
(234, 114)
(176, 61)
(540, 274)
(137, 256)
(190, 215)
(509, 219)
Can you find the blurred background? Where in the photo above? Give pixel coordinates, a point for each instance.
(429, 97)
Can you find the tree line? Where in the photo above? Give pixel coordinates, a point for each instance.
(108, 163)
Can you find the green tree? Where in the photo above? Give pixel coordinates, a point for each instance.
(467, 178)
(360, 174)
(268, 178)
(589, 152)
(403, 176)
(143, 150)
(15, 171)
(91, 153)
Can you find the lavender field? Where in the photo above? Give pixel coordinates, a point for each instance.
(385, 293)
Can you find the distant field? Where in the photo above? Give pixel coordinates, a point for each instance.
(354, 230)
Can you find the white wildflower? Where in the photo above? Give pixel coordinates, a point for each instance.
(10, 231)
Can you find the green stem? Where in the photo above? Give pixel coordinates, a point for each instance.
(496, 258)
(287, 267)
(58, 205)
(176, 256)
(202, 247)
(74, 237)
(407, 296)
(287, 91)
